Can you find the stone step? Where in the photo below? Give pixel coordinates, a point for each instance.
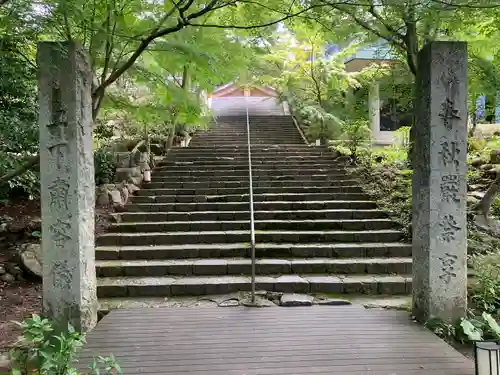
(243, 206)
(157, 177)
(241, 236)
(235, 225)
(242, 266)
(244, 190)
(128, 217)
(262, 250)
(333, 172)
(202, 285)
(320, 166)
(267, 197)
(256, 184)
(244, 156)
(239, 162)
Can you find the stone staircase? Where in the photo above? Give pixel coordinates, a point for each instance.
(187, 232)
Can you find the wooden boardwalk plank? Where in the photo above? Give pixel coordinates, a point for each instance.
(315, 340)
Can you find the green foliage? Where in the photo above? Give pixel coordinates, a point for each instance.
(104, 165)
(25, 185)
(387, 179)
(403, 136)
(486, 287)
(318, 124)
(43, 349)
(482, 327)
(18, 109)
(354, 134)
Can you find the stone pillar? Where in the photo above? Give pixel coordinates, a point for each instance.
(374, 109)
(67, 184)
(439, 183)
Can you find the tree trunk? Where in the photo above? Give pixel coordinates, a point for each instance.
(483, 207)
(170, 139)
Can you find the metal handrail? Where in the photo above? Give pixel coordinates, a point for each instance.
(250, 191)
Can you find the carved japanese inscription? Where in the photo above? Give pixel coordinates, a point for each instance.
(58, 191)
(57, 129)
(60, 232)
(449, 228)
(450, 188)
(449, 113)
(449, 153)
(448, 262)
(62, 276)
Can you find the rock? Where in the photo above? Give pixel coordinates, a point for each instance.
(233, 302)
(332, 302)
(156, 149)
(477, 162)
(259, 302)
(132, 188)
(478, 194)
(5, 365)
(273, 296)
(13, 269)
(495, 156)
(115, 197)
(8, 278)
(471, 200)
(31, 258)
(2, 270)
(102, 195)
(296, 300)
(493, 171)
(135, 180)
(125, 194)
(117, 218)
(123, 174)
(476, 187)
(4, 227)
(486, 167)
(122, 159)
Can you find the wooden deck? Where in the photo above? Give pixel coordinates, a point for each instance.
(316, 340)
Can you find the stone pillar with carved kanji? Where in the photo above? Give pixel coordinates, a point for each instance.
(440, 183)
(67, 184)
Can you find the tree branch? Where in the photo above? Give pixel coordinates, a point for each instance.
(28, 164)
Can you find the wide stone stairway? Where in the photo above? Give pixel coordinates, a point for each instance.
(187, 232)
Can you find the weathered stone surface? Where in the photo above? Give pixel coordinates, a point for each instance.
(102, 195)
(132, 188)
(2, 270)
(122, 159)
(476, 162)
(31, 258)
(486, 167)
(439, 184)
(8, 278)
(67, 184)
(124, 193)
(495, 156)
(115, 197)
(296, 300)
(233, 302)
(259, 302)
(124, 174)
(135, 180)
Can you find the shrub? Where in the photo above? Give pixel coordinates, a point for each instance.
(41, 351)
(26, 185)
(355, 134)
(486, 289)
(104, 165)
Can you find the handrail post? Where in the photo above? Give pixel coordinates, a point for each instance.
(250, 191)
